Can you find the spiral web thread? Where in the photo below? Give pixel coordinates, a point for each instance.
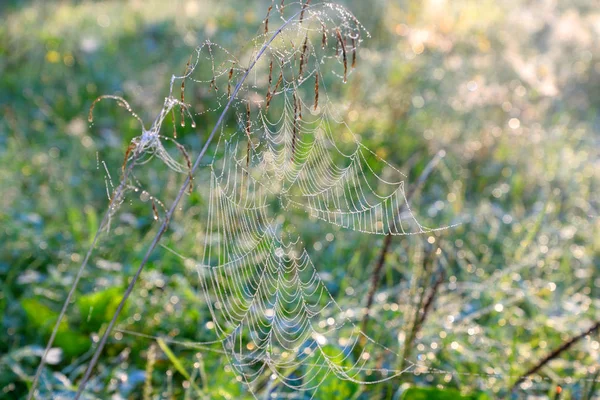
(289, 153)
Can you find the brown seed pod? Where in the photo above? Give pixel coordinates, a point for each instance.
(229, 81)
(303, 57)
(316, 91)
(188, 162)
(295, 127)
(353, 53)
(267, 19)
(187, 71)
(271, 94)
(304, 6)
(248, 121)
(154, 210)
(248, 155)
(342, 44)
(248, 126)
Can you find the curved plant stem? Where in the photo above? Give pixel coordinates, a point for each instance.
(375, 277)
(63, 311)
(170, 213)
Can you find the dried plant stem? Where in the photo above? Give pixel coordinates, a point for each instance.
(555, 353)
(295, 128)
(165, 224)
(105, 221)
(271, 93)
(423, 306)
(430, 300)
(375, 277)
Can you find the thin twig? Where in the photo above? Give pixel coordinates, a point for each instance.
(555, 353)
(430, 300)
(388, 239)
(422, 306)
(105, 220)
(171, 211)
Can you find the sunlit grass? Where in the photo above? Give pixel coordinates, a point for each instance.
(522, 175)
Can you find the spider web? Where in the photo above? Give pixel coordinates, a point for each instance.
(269, 306)
(289, 153)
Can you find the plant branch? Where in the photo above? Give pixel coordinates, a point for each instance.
(375, 278)
(555, 353)
(171, 211)
(105, 220)
(387, 241)
(424, 304)
(430, 300)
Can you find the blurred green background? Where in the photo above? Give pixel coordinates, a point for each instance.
(509, 89)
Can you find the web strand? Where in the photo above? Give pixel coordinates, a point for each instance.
(272, 312)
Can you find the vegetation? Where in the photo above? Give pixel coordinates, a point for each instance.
(507, 90)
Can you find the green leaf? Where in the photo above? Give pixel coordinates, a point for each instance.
(97, 308)
(43, 319)
(179, 366)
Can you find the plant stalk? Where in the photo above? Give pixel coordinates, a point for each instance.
(555, 353)
(388, 239)
(164, 226)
